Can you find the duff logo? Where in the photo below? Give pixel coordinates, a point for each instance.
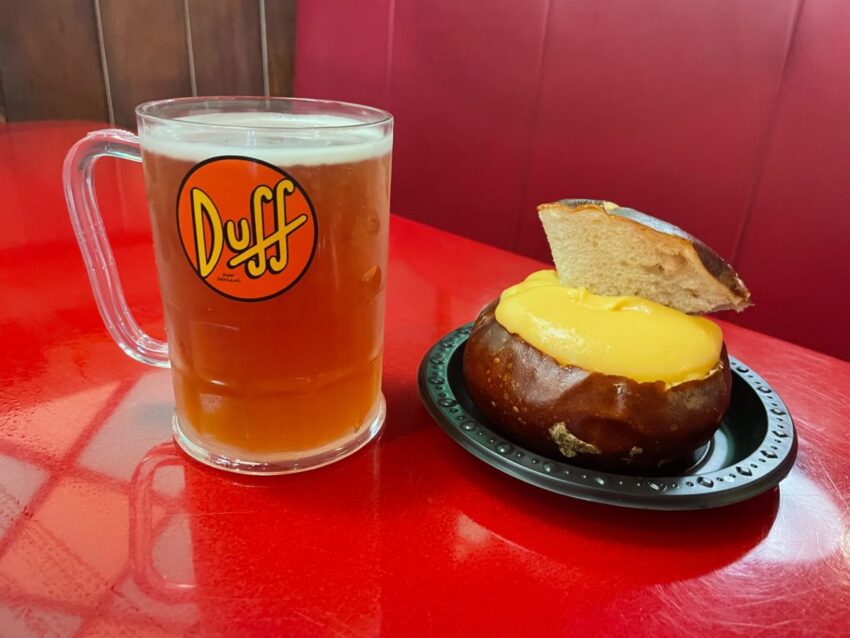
(247, 228)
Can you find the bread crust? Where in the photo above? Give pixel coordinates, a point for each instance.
(588, 418)
(698, 252)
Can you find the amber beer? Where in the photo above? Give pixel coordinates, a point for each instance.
(273, 279)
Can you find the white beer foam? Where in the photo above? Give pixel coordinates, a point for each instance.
(288, 140)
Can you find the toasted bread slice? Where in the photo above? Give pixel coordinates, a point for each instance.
(619, 251)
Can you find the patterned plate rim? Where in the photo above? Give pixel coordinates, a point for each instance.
(758, 472)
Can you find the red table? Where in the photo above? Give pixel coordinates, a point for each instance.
(107, 530)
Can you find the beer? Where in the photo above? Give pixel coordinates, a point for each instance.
(273, 280)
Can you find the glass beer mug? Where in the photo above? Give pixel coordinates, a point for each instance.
(269, 220)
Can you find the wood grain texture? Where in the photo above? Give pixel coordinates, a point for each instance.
(50, 60)
(280, 38)
(226, 47)
(2, 102)
(146, 53)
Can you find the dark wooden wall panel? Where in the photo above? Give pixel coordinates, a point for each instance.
(146, 53)
(50, 60)
(53, 54)
(280, 38)
(2, 101)
(227, 47)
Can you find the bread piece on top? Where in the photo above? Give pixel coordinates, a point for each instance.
(619, 251)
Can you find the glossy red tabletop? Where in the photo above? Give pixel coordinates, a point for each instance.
(107, 530)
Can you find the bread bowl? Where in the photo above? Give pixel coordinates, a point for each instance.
(603, 366)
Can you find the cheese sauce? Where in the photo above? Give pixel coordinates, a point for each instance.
(624, 336)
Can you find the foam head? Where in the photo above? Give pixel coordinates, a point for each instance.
(281, 139)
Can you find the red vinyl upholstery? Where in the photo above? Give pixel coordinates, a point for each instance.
(730, 119)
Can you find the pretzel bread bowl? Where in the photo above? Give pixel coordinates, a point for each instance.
(605, 363)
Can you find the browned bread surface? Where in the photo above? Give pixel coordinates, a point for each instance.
(612, 250)
(602, 421)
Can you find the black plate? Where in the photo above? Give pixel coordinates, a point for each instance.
(752, 451)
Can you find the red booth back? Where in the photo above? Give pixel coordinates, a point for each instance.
(730, 119)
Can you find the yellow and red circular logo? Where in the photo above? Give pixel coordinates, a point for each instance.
(248, 229)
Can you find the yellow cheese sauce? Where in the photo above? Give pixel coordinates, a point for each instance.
(625, 336)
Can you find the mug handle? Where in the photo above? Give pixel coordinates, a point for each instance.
(97, 253)
(144, 572)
